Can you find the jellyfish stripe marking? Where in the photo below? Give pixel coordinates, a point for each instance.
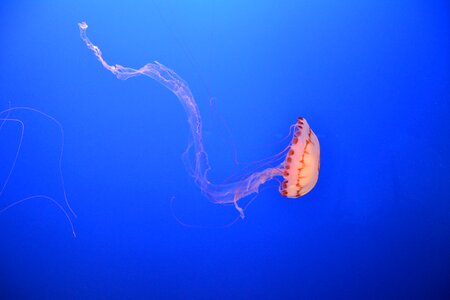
(302, 164)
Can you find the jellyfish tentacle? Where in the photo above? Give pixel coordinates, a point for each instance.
(59, 206)
(8, 111)
(16, 156)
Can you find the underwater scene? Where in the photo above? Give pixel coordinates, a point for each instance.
(171, 149)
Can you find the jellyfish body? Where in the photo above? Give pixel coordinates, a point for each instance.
(302, 164)
(300, 168)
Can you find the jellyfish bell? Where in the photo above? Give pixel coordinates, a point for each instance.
(302, 163)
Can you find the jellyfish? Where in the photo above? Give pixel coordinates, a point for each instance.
(299, 168)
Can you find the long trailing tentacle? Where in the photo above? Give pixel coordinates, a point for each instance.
(199, 167)
(11, 169)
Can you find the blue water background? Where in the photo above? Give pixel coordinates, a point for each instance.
(371, 77)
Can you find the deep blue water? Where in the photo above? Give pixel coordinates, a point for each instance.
(371, 77)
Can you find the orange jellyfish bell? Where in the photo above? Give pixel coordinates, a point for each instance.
(302, 164)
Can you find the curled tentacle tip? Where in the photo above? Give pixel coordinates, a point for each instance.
(83, 25)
